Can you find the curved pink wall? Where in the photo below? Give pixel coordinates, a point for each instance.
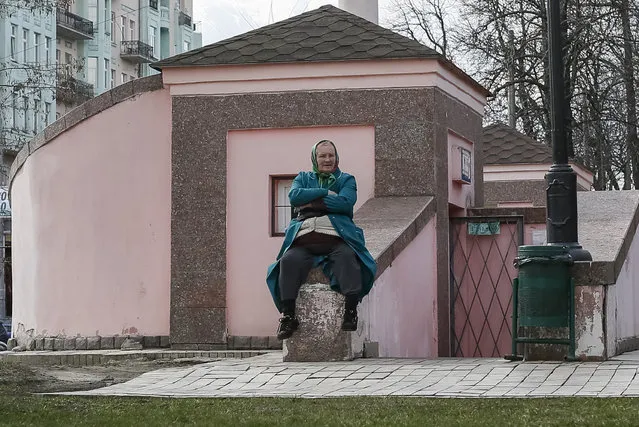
(91, 225)
(252, 157)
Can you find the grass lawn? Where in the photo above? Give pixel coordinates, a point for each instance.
(18, 407)
(364, 411)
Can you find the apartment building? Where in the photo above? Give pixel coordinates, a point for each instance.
(27, 80)
(125, 36)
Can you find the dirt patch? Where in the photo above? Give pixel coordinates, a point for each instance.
(16, 377)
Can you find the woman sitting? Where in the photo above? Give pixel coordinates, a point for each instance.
(323, 234)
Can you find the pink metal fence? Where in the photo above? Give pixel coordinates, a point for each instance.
(482, 250)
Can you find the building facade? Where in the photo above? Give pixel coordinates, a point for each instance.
(125, 36)
(27, 80)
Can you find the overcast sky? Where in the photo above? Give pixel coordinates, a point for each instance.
(221, 19)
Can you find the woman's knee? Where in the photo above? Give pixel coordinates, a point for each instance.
(344, 252)
(292, 257)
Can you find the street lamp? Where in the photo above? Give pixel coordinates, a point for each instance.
(561, 193)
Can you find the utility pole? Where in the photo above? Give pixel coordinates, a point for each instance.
(561, 193)
(511, 79)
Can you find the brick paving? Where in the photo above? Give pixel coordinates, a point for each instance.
(267, 376)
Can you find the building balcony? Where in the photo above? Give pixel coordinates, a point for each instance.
(13, 139)
(72, 26)
(136, 51)
(71, 91)
(185, 19)
(165, 17)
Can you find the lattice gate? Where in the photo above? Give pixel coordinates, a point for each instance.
(482, 250)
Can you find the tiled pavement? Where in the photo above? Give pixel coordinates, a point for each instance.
(268, 376)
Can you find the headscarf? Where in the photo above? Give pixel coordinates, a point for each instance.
(326, 179)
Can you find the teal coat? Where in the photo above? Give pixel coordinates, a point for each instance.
(305, 189)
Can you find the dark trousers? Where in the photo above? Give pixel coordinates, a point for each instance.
(297, 261)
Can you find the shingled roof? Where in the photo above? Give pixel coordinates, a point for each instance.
(324, 34)
(505, 145)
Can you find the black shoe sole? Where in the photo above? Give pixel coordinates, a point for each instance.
(286, 335)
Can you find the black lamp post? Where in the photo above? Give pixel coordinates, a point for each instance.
(561, 193)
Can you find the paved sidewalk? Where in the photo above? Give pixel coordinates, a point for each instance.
(268, 376)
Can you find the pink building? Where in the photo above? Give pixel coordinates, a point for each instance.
(163, 226)
(515, 166)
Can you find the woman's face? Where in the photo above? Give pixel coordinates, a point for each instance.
(325, 154)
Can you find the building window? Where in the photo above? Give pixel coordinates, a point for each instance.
(112, 78)
(14, 42)
(25, 45)
(25, 113)
(36, 116)
(68, 59)
(14, 115)
(187, 46)
(92, 14)
(281, 211)
(132, 30)
(106, 74)
(106, 17)
(36, 46)
(112, 27)
(123, 78)
(92, 70)
(122, 28)
(47, 50)
(47, 113)
(152, 33)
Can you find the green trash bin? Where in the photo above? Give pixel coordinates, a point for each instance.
(543, 295)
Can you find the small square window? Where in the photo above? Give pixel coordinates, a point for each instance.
(281, 209)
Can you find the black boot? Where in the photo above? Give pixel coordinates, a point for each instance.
(288, 325)
(288, 321)
(350, 313)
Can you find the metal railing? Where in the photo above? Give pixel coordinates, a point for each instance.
(71, 20)
(185, 19)
(71, 91)
(136, 49)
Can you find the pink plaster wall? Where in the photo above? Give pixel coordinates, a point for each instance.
(400, 313)
(528, 233)
(252, 157)
(459, 194)
(91, 225)
(624, 296)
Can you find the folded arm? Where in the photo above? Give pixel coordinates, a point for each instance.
(300, 196)
(343, 202)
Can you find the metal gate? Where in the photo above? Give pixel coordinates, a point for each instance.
(482, 250)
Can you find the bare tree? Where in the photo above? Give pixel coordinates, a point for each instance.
(425, 21)
(503, 45)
